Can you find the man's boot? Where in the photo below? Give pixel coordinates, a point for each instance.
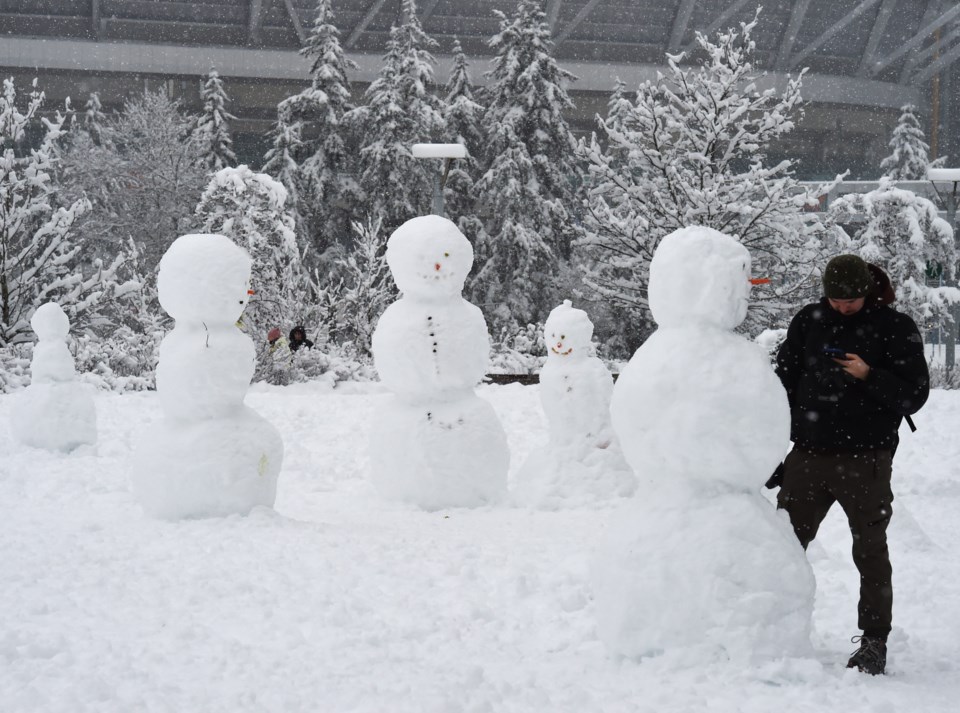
(871, 657)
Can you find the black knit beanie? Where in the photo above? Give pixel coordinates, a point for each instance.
(847, 277)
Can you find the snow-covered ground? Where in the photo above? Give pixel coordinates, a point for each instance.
(340, 601)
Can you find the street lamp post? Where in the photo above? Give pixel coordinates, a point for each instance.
(949, 180)
(446, 152)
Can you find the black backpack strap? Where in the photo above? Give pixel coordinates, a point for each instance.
(913, 428)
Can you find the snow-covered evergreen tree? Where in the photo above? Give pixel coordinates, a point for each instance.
(464, 117)
(692, 151)
(250, 209)
(528, 173)
(40, 258)
(619, 107)
(213, 124)
(399, 111)
(94, 118)
(910, 158)
(310, 155)
(902, 233)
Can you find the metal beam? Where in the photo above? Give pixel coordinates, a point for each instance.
(553, 14)
(723, 17)
(295, 19)
(919, 38)
(946, 59)
(680, 22)
(933, 7)
(95, 18)
(427, 9)
(835, 29)
(921, 57)
(255, 21)
(577, 21)
(365, 22)
(879, 27)
(790, 34)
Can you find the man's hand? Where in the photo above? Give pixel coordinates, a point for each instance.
(855, 366)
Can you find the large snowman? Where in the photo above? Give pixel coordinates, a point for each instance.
(582, 461)
(211, 455)
(699, 558)
(435, 443)
(56, 412)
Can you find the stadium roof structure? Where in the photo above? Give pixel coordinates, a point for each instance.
(902, 43)
(866, 58)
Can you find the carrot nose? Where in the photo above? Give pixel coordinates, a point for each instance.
(436, 266)
(251, 292)
(759, 280)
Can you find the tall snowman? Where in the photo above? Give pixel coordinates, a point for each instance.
(582, 462)
(211, 455)
(435, 443)
(56, 412)
(699, 558)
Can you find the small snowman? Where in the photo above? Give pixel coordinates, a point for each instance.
(56, 412)
(211, 455)
(699, 558)
(582, 461)
(435, 444)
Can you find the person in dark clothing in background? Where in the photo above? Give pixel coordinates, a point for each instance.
(853, 368)
(298, 338)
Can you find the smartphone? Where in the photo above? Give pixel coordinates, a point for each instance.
(835, 353)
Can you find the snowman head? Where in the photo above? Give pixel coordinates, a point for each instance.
(204, 278)
(429, 257)
(50, 322)
(568, 333)
(699, 276)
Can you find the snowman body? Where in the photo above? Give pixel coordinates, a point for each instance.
(581, 462)
(56, 412)
(435, 443)
(211, 455)
(699, 558)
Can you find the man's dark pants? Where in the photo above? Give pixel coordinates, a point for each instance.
(860, 482)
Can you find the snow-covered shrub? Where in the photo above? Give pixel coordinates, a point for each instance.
(518, 350)
(15, 366)
(942, 378)
(126, 360)
(251, 209)
(329, 363)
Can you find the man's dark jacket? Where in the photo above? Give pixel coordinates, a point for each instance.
(831, 410)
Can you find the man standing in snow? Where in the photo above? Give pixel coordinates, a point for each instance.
(853, 368)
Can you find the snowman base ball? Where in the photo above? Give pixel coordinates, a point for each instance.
(577, 475)
(723, 575)
(55, 416)
(209, 468)
(441, 455)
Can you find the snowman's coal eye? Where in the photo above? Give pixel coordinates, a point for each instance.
(563, 336)
(446, 254)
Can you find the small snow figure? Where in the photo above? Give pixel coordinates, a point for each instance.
(211, 455)
(56, 412)
(700, 559)
(582, 461)
(436, 444)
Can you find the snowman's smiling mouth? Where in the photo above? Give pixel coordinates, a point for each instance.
(563, 353)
